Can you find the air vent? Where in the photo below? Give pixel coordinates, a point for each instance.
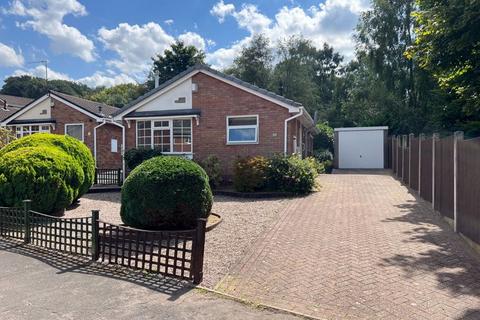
(44, 111)
(181, 100)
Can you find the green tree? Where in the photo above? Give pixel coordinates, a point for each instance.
(448, 46)
(175, 60)
(254, 64)
(118, 95)
(33, 87)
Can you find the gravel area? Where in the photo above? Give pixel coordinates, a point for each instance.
(244, 220)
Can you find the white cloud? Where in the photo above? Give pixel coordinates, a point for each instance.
(168, 22)
(332, 22)
(221, 10)
(39, 71)
(101, 79)
(193, 39)
(135, 46)
(9, 57)
(46, 17)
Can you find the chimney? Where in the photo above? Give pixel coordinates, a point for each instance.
(157, 79)
(315, 117)
(100, 110)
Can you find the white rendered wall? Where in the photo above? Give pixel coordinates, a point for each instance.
(166, 101)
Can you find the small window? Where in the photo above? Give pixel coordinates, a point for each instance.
(114, 145)
(75, 130)
(242, 129)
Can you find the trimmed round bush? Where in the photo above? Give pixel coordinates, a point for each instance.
(166, 193)
(73, 147)
(46, 175)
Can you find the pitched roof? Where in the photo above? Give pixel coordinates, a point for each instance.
(5, 113)
(15, 101)
(202, 67)
(88, 105)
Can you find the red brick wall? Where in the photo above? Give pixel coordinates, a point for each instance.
(217, 100)
(107, 159)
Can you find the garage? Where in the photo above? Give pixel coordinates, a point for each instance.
(360, 148)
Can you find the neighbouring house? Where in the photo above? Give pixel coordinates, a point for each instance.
(203, 112)
(60, 113)
(198, 113)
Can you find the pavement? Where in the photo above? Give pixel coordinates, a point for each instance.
(40, 284)
(363, 247)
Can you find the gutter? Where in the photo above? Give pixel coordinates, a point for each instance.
(285, 142)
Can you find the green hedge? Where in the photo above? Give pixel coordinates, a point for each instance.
(212, 167)
(136, 156)
(46, 175)
(73, 147)
(166, 193)
(280, 173)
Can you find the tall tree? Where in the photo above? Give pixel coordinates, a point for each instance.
(175, 60)
(118, 95)
(448, 46)
(33, 87)
(254, 64)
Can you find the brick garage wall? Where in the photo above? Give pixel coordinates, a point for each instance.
(106, 159)
(217, 100)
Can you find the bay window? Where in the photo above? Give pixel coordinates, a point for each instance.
(168, 136)
(242, 129)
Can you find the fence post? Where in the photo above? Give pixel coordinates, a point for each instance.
(95, 235)
(119, 177)
(199, 247)
(398, 156)
(458, 136)
(434, 139)
(26, 215)
(95, 180)
(403, 157)
(410, 137)
(421, 137)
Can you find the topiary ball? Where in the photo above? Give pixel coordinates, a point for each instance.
(166, 193)
(75, 148)
(46, 175)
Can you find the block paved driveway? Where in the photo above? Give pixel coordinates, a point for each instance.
(361, 248)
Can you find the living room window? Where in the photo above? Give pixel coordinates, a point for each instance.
(242, 129)
(169, 136)
(26, 130)
(74, 130)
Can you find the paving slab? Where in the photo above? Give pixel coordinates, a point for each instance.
(363, 247)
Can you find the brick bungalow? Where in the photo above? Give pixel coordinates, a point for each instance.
(61, 113)
(198, 113)
(203, 112)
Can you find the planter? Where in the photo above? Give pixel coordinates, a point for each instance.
(213, 223)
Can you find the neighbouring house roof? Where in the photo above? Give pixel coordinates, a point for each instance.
(97, 108)
(163, 113)
(32, 121)
(202, 67)
(15, 101)
(13, 104)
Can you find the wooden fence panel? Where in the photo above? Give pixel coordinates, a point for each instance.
(406, 163)
(468, 189)
(444, 167)
(394, 154)
(399, 158)
(426, 170)
(414, 163)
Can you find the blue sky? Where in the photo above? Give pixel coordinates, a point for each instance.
(111, 42)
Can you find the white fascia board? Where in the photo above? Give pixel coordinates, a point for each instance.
(361, 129)
(23, 110)
(155, 95)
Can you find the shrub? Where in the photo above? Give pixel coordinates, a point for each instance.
(323, 155)
(324, 139)
(166, 193)
(6, 136)
(316, 165)
(328, 165)
(212, 167)
(136, 156)
(250, 174)
(46, 175)
(73, 147)
(291, 174)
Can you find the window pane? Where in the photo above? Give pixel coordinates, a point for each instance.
(161, 124)
(144, 139)
(242, 135)
(242, 121)
(75, 130)
(161, 140)
(182, 135)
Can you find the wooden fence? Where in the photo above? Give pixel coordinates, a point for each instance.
(176, 254)
(444, 171)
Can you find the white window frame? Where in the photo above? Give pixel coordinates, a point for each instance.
(27, 129)
(76, 124)
(256, 127)
(170, 128)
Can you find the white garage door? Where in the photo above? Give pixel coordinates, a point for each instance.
(361, 149)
